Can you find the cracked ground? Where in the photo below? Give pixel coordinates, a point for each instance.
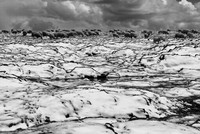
(99, 85)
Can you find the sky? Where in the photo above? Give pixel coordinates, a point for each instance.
(107, 14)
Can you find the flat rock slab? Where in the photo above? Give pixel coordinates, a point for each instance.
(131, 127)
(99, 85)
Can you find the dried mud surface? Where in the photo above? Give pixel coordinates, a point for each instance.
(99, 85)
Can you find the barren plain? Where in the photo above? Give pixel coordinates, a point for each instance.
(99, 85)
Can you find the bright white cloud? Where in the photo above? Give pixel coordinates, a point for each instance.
(164, 2)
(70, 5)
(187, 4)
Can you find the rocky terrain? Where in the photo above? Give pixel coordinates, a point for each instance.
(99, 84)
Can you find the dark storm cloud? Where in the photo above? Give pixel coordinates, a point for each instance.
(151, 14)
(37, 24)
(47, 14)
(59, 11)
(19, 13)
(194, 1)
(122, 12)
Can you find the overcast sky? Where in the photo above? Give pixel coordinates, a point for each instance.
(68, 14)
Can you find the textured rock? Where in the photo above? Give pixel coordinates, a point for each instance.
(80, 85)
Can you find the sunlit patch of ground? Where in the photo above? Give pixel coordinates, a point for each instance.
(81, 85)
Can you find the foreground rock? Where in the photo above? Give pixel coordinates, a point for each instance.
(99, 126)
(105, 84)
(23, 107)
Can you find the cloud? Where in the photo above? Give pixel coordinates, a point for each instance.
(19, 11)
(187, 4)
(22, 11)
(131, 13)
(148, 14)
(192, 1)
(151, 14)
(39, 24)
